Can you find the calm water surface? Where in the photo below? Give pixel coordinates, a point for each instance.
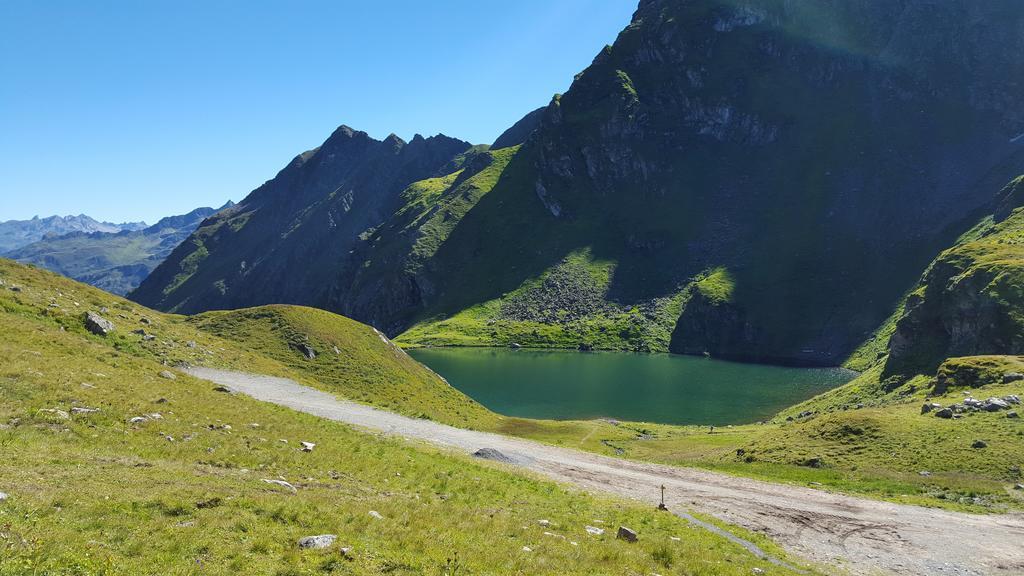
(662, 388)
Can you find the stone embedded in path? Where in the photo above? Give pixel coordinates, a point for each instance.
(626, 534)
(495, 455)
(317, 542)
(97, 324)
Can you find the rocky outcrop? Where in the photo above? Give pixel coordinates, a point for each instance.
(289, 239)
(970, 301)
(520, 131)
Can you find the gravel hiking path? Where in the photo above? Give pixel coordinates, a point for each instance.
(850, 534)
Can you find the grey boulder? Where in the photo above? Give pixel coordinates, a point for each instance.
(98, 324)
(626, 534)
(995, 405)
(317, 542)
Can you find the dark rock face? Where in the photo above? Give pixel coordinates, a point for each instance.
(290, 238)
(712, 327)
(969, 302)
(821, 152)
(520, 131)
(822, 155)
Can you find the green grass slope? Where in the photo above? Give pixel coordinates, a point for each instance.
(90, 492)
(349, 359)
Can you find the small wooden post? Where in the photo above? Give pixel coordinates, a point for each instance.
(662, 505)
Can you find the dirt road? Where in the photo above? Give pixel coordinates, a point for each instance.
(858, 535)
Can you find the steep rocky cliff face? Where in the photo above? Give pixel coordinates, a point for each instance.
(288, 239)
(822, 153)
(817, 154)
(970, 302)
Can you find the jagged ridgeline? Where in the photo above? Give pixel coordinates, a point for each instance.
(759, 179)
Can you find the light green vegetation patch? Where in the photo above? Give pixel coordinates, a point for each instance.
(92, 493)
(717, 286)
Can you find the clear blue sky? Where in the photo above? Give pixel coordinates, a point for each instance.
(137, 109)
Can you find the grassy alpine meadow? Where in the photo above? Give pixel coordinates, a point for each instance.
(115, 463)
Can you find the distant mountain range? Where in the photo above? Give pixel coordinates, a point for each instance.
(18, 233)
(115, 258)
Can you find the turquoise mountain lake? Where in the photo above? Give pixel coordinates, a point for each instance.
(662, 388)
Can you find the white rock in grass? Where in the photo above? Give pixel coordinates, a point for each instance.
(594, 530)
(527, 549)
(317, 542)
(3, 496)
(544, 523)
(56, 413)
(376, 515)
(281, 483)
(307, 446)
